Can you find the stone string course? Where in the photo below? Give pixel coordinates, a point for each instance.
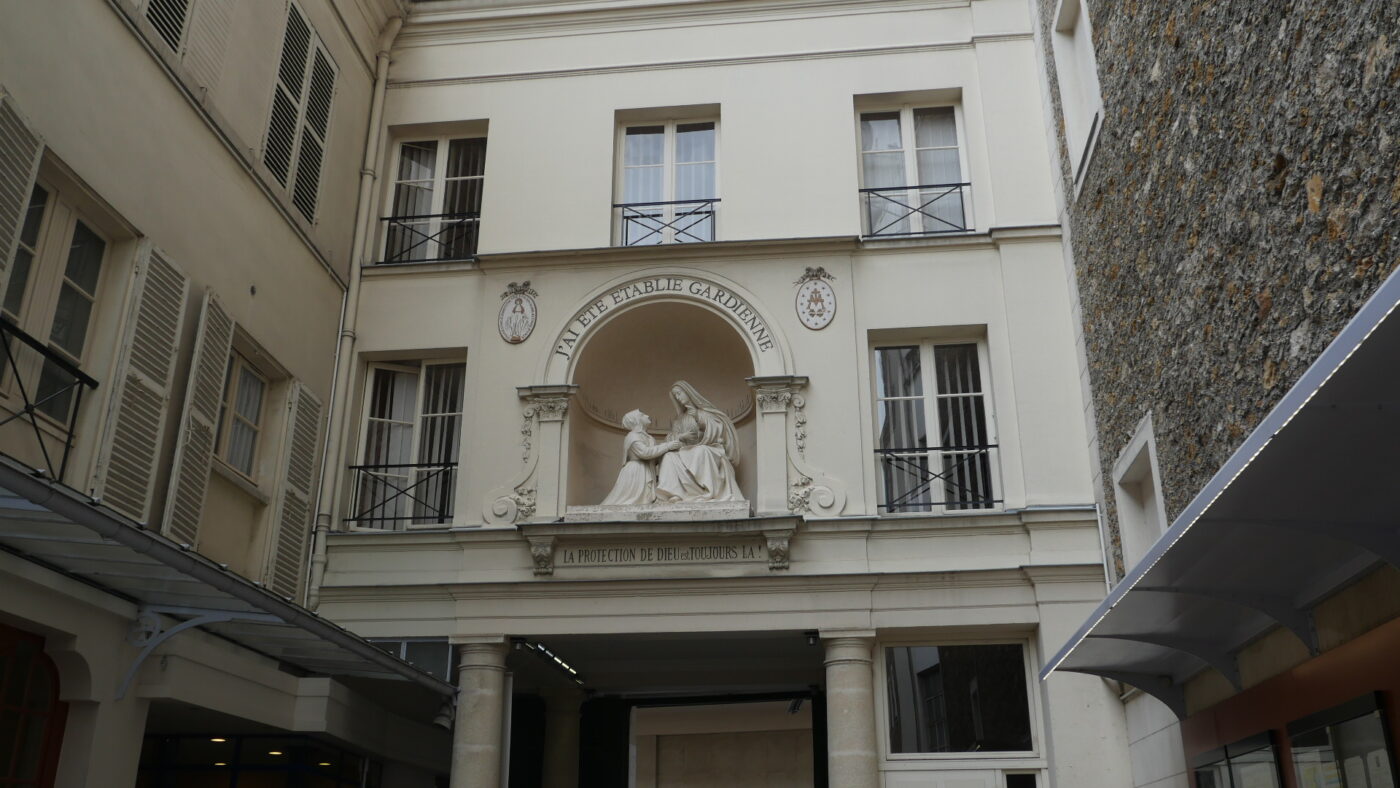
(1242, 203)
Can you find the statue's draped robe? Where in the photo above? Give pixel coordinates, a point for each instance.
(636, 482)
(700, 469)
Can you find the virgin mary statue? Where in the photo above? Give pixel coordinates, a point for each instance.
(702, 468)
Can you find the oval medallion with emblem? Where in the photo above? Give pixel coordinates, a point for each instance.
(518, 314)
(816, 303)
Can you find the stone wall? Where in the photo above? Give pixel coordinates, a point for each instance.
(1240, 206)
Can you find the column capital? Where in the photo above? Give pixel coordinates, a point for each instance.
(848, 649)
(551, 402)
(776, 392)
(482, 656)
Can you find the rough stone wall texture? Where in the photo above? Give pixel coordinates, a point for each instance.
(1242, 203)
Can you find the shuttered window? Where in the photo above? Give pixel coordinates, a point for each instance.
(292, 519)
(301, 112)
(203, 399)
(196, 32)
(145, 371)
(240, 421)
(168, 18)
(20, 148)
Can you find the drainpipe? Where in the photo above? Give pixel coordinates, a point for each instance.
(344, 359)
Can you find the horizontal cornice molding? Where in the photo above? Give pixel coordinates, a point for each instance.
(624, 68)
(449, 22)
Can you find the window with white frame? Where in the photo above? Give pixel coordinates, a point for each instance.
(667, 183)
(301, 112)
(912, 166)
(241, 415)
(52, 295)
(1076, 71)
(935, 433)
(436, 201)
(412, 432)
(958, 698)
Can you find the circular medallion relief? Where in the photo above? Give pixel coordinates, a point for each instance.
(517, 317)
(816, 304)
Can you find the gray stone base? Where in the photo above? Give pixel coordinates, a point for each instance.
(697, 510)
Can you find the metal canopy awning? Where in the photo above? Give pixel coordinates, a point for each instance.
(175, 588)
(1303, 507)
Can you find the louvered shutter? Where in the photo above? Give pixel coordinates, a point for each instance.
(189, 475)
(293, 516)
(168, 18)
(287, 96)
(315, 125)
(20, 151)
(145, 369)
(207, 41)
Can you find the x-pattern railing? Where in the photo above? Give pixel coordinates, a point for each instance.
(915, 463)
(650, 217)
(925, 204)
(412, 239)
(427, 489)
(29, 410)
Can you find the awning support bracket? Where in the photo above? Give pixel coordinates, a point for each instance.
(1200, 649)
(149, 630)
(1282, 610)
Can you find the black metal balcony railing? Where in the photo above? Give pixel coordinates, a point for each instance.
(917, 210)
(430, 237)
(964, 478)
(57, 392)
(393, 496)
(677, 221)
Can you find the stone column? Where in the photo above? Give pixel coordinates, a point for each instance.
(850, 712)
(561, 726)
(476, 733)
(551, 404)
(774, 393)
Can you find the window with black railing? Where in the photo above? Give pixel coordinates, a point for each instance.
(667, 183)
(436, 203)
(912, 173)
(49, 391)
(936, 451)
(412, 432)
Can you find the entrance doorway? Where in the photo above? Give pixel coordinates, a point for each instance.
(726, 745)
(31, 715)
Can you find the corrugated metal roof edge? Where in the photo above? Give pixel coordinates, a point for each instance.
(81, 510)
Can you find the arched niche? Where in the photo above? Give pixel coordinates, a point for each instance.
(630, 361)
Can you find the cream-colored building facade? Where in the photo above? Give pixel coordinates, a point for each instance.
(423, 266)
(765, 123)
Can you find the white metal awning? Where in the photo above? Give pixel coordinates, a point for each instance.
(1304, 506)
(175, 588)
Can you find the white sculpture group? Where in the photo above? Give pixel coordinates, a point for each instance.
(695, 462)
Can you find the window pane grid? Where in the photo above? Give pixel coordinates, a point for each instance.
(668, 184)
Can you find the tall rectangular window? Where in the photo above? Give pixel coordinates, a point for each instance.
(412, 433)
(52, 295)
(1077, 73)
(667, 183)
(241, 415)
(912, 172)
(933, 390)
(301, 111)
(436, 212)
(957, 699)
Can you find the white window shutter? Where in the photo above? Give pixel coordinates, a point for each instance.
(207, 41)
(20, 151)
(145, 369)
(292, 519)
(189, 474)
